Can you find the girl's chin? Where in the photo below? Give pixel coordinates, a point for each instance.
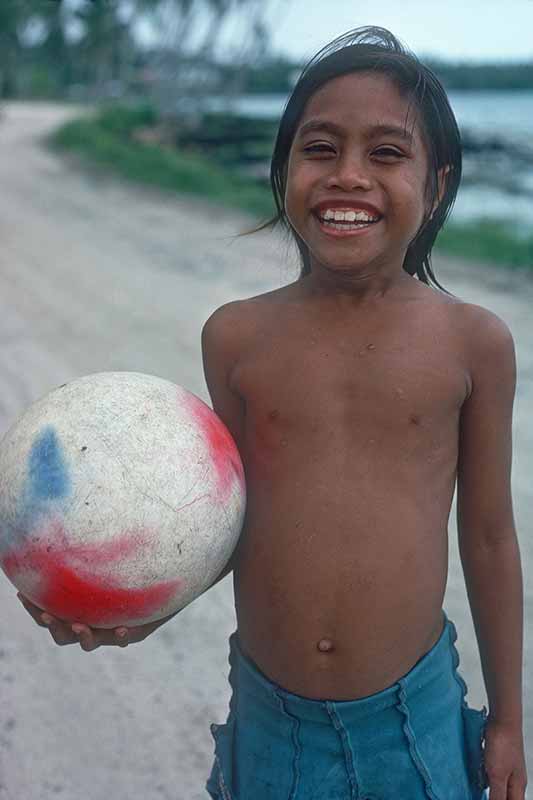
(349, 263)
(339, 256)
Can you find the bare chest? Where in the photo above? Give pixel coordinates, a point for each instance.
(338, 388)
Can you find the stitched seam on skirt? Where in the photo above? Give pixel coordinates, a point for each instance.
(349, 758)
(415, 755)
(297, 747)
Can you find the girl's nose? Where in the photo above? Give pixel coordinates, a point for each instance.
(349, 174)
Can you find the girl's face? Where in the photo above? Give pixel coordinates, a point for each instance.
(349, 152)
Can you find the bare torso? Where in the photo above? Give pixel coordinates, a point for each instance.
(350, 452)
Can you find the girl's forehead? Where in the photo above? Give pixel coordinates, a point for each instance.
(372, 85)
(361, 99)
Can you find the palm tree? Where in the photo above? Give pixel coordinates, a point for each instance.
(55, 50)
(186, 75)
(104, 40)
(13, 14)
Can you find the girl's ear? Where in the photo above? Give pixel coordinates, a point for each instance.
(443, 171)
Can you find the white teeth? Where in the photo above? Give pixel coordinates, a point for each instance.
(346, 226)
(347, 216)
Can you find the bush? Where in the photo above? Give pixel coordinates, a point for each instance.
(487, 240)
(123, 121)
(170, 169)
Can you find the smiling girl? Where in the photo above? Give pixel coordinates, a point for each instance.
(359, 395)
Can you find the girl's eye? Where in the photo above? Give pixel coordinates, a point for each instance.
(318, 148)
(388, 151)
(382, 152)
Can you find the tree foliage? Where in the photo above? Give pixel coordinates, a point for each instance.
(277, 74)
(47, 47)
(96, 43)
(483, 76)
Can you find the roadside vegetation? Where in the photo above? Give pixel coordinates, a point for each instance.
(109, 140)
(133, 144)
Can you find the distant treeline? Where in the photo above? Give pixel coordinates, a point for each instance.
(483, 76)
(280, 74)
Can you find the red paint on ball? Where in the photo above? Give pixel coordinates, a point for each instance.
(68, 585)
(222, 448)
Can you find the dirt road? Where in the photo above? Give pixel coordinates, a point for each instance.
(97, 275)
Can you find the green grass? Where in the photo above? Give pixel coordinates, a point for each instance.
(106, 140)
(487, 240)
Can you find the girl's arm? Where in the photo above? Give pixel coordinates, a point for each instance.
(222, 339)
(488, 542)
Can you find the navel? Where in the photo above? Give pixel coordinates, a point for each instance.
(325, 646)
(367, 347)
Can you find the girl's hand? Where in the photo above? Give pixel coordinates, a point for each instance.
(505, 761)
(88, 638)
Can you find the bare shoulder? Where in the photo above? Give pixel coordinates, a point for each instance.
(224, 320)
(232, 327)
(232, 317)
(487, 345)
(484, 330)
(483, 338)
(479, 325)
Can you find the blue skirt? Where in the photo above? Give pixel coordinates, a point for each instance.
(416, 740)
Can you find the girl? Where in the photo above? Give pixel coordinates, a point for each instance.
(357, 395)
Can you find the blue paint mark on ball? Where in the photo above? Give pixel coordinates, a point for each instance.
(47, 484)
(48, 472)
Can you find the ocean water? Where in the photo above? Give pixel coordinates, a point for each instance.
(504, 185)
(495, 184)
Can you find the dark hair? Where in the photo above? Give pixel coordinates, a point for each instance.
(377, 49)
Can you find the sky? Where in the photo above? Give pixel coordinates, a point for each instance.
(466, 30)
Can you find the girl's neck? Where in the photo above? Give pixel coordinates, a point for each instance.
(355, 289)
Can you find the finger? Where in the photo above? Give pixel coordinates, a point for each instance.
(122, 637)
(85, 637)
(517, 788)
(498, 789)
(42, 618)
(61, 633)
(47, 620)
(60, 630)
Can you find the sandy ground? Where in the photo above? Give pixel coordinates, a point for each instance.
(97, 275)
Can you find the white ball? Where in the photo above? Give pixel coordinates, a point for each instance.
(122, 498)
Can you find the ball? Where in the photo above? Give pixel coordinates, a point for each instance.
(122, 498)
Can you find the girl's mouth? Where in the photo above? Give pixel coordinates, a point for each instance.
(341, 230)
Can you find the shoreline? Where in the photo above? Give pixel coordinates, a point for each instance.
(97, 147)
